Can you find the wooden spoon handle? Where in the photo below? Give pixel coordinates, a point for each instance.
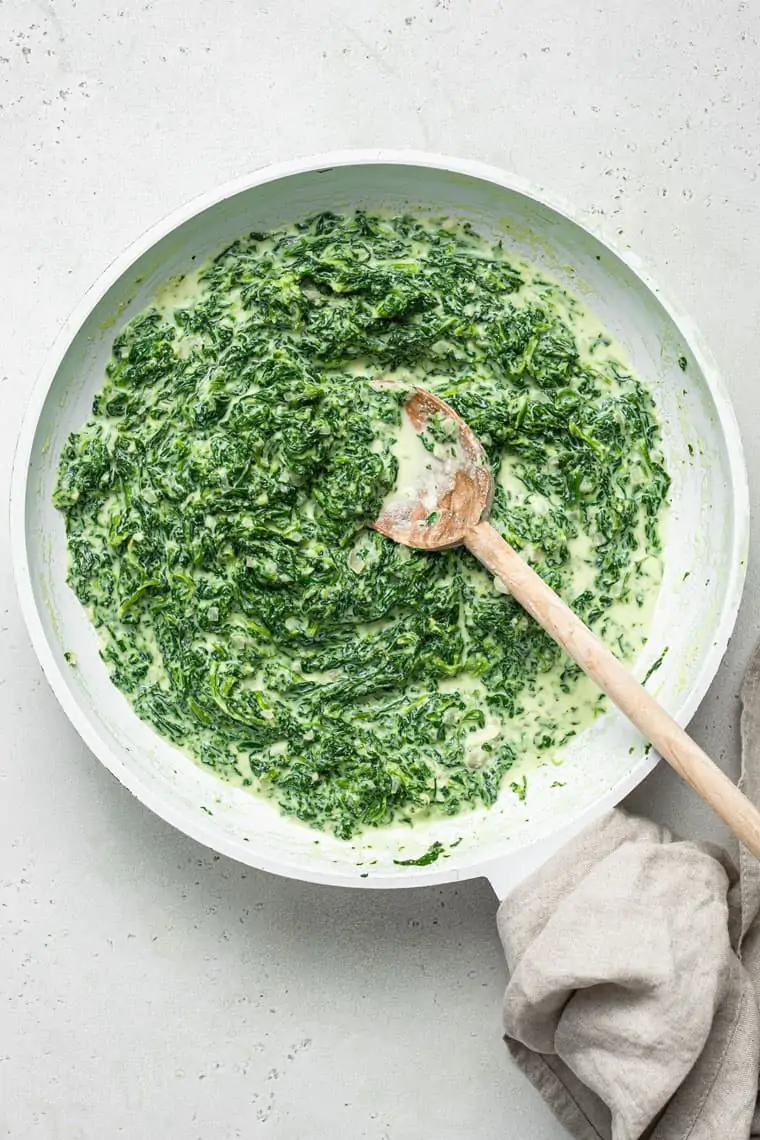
(585, 648)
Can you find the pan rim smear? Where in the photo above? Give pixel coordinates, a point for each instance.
(503, 848)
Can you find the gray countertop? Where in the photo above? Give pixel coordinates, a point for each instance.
(148, 988)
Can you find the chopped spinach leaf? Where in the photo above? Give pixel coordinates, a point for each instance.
(520, 789)
(430, 856)
(655, 665)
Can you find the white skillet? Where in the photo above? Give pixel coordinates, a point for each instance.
(705, 548)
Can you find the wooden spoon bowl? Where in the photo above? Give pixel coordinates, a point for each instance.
(464, 495)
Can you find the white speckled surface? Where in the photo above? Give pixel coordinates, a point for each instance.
(146, 988)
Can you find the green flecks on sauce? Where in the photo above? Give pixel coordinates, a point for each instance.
(217, 501)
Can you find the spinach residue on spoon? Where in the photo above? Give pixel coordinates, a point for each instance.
(216, 506)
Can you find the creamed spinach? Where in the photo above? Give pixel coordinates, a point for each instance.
(217, 501)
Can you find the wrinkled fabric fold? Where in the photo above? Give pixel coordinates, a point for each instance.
(634, 962)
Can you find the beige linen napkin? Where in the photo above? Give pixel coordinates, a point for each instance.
(634, 961)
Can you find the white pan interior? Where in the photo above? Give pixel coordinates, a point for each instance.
(705, 550)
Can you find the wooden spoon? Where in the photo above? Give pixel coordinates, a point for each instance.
(448, 506)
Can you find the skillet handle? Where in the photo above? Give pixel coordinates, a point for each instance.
(612, 677)
(509, 872)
